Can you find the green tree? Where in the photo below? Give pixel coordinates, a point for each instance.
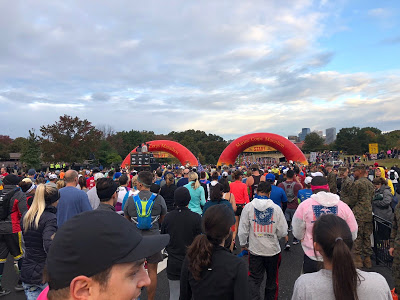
(30, 154)
(69, 140)
(313, 142)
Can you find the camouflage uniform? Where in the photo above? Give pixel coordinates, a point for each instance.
(332, 182)
(361, 204)
(395, 243)
(346, 190)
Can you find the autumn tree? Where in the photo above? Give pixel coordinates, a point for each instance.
(5, 143)
(69, 140)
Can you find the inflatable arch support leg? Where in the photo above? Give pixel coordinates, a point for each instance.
(183, 154)
(281, 144)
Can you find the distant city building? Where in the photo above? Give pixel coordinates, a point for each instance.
(304, 132)
(293, 138)
(330, 135)
(319, 132)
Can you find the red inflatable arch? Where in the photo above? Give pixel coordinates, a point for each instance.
(283, 145)
(182, 153)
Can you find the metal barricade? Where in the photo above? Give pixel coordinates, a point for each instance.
(382, 229)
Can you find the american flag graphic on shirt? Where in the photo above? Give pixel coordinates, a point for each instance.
(319, 210)
(263, 220)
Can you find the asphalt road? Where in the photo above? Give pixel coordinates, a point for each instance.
(289, 271)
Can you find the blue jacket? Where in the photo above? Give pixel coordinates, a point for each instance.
(37, 245)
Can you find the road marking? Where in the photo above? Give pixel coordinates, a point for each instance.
(162, 265)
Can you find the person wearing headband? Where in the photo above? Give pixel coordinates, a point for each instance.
(320, 203)
(39, 225)
(339, 279)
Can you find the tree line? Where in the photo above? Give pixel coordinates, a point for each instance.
(73, 140)
(354, 140)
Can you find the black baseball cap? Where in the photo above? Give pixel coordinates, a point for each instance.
(92, 242)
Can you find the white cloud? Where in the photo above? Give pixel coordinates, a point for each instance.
(224, 67)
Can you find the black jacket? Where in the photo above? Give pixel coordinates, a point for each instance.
(183, 226)
(225, 279)
(168, 194)
(37, 244)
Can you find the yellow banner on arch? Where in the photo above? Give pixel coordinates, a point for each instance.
(162, 154)
(260, 148)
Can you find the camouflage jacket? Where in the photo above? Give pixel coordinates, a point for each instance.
(395, 235)
(360, 201)
(346, 190)
(332, 182)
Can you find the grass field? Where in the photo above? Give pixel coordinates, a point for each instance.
(388, 163)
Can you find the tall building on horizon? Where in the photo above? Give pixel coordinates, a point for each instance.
(304, 132)
(330, 135)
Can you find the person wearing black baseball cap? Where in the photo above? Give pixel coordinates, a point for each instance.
(99, 255)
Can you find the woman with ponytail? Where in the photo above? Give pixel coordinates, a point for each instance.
(209, 270)
(168, 191)
(198, 197)
(39, 225)
(339, 280)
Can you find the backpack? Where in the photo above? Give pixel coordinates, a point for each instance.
(391, 176)
(143, 209)
(5, 200)
(289, 190)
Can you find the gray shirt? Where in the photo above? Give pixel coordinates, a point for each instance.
(159, 209)
(93, 198)
(316, 286)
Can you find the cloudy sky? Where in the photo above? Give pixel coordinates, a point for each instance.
(225, 67)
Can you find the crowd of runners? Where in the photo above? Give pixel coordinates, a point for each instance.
(100, 234)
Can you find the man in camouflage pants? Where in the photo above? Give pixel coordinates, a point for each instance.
(347, 185)
(360, 202)
(331, 178)
(395, 249)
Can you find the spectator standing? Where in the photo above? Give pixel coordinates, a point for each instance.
(381, 203)
(39, 225)
(183, 226)
(394, 250)
(72, 200)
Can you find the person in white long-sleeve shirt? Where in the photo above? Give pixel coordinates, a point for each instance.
(262, 224)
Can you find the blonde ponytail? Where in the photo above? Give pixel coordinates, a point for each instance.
(195, 178)
(36, 210)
